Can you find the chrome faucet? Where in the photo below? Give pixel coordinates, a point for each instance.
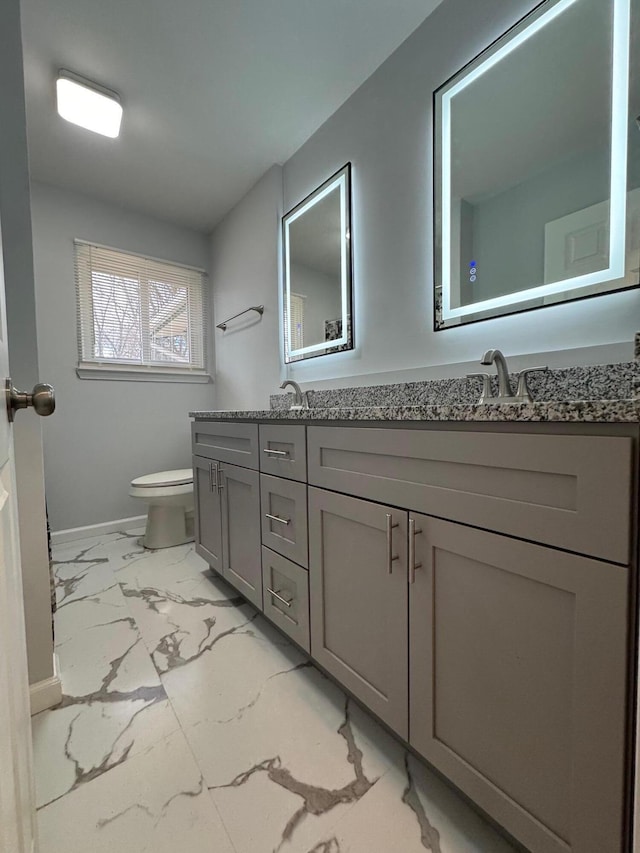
(494, 356)
(505, 394)
(301, 399)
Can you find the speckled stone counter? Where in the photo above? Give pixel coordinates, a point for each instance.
(594, 382)
(575, 411)
(605, 393)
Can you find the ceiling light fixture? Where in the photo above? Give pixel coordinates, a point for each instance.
(88, 105)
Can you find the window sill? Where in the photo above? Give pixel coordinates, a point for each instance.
(139, 374)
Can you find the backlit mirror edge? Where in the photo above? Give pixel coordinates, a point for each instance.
(342, 179)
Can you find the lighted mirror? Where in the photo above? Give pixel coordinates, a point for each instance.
(537, 165)
(317, 271)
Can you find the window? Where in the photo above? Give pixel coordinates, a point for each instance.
(139, 315)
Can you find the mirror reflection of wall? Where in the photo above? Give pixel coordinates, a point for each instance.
(317, 266)
(531, 163)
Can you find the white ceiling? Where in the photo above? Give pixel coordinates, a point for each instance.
(214, 91)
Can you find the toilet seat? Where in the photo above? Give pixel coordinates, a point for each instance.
(164, 479)
(169, 497)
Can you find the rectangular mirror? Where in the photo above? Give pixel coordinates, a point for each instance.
(317, 271)
(534, 203)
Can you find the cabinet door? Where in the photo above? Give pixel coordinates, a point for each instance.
(241, 530)
(208, 524)
(359, 600)
(517, 682)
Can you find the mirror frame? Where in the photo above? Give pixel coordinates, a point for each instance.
(341, 180)
(446, 317)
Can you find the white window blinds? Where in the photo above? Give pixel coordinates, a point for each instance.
(138, 312)
(297, 321)
(294, 324)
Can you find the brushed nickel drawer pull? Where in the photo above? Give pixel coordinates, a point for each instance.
(390, 555)
(412, 550)
(277, 518)
(279, 597)
(275, 452)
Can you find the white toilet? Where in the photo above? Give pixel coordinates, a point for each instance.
(169, 495)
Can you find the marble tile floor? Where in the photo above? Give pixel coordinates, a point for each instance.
(190, 725)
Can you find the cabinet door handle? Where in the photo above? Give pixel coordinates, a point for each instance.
(219, 478)
(412, 550)
(279, 597)
(390, 555)
(277, 518)
(275, 452)
(213, 484)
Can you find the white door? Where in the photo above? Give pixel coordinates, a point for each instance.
(578, 244)
(17, 810)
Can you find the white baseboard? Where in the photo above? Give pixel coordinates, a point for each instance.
(74, 533)
(47, 693)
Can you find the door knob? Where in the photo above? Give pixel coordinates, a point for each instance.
(42, 398)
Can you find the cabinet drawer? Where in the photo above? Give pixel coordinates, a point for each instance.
(286, 596)
(544, 488)
(283, 451)
(227, 442)
(284, 517)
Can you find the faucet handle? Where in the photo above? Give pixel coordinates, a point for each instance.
(524, 391)
(486, 386)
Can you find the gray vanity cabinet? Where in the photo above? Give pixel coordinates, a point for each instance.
(469, 587)
(517, 681)
(208, 512)
(358, 590)
(240, 504)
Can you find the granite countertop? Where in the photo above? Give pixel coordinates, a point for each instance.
(605, 393)
(572, 411)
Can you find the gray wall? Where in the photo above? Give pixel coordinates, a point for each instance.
(23, 349)
(323, 300)
(245, 264)
(385, 129)
(104, 432)
(508, 229)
